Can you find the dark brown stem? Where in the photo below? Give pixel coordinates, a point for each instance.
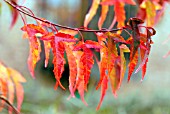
(58, 25)
(6, 101)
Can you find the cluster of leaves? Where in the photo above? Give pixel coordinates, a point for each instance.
(10, 82)
(80, 53)
(112, 63)
(149, 10)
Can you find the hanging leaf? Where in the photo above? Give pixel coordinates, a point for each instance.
(104, 12)
(132, 65)
(58, 60)
(14, 13)
(80, 82)
(10, 81)
(119, 10)
(151, 8)
(92, 12)
(72, 67)
(47, 47)
(18, 79)
(123, 49)
(104, 87)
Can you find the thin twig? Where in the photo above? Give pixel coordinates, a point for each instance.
(15, 110)
(58, 25)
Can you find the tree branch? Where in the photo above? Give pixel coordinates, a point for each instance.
(15, 110)
(58, 25)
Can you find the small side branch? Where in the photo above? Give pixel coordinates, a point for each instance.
(58, 25)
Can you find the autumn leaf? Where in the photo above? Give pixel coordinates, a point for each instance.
(104, 11)
(132, 65)
(35, 46)
(123, 49)
(72, 67)
(10, 81)
(87, 57)
(104, 87)
(3, 83)
(92, 12)
(80, 82)
(151, 8)
(18, 79)
(134, 22)
(119, 9)
(14, 13)
(47, 47)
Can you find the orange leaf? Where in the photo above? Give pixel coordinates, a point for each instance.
(91, 12)
(73, 68)
(17, 78)
(150, 9)
(87, 60)
(132, 65)
(119, 13)
(104, 87)
(58, 60)
(104, 11)
(103, 64)
(114, 74)
(123, 48)
(3, 83)
(80, 82)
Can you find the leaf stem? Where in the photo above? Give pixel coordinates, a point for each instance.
(58, 25)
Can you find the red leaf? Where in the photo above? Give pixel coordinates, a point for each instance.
(32, 29)
(87, 60)
(58, 60)
(47, 47)
(14, 13)
(65, 37)
(34, 54)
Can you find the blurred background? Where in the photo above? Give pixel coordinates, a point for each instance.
(151, 96)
